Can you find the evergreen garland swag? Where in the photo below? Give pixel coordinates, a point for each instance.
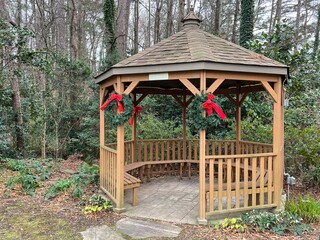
(195, 120)
(111, 111)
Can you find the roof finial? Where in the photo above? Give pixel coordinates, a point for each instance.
(191, 20)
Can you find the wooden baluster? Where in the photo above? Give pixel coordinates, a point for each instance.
(220, 183)
(229, 180)
(211, 185)
(246, 179)
(262, 173)
(270, 179)
(226, 152)
(238, 182)
(254, 181)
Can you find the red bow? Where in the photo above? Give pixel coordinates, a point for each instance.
(116, 97)
(209, 105)
(136, 112)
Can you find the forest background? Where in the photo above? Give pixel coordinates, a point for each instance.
(50, 51)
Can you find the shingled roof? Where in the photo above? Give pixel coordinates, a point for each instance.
(193, 45)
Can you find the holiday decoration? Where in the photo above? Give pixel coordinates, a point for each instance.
(210, 106)
(117, 98)
(118, 109)
(200, 103)
(136, 112)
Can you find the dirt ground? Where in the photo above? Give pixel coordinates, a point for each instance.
(32, 217)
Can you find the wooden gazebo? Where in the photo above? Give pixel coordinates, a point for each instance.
(241, 175)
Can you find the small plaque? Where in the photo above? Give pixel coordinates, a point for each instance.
(158, 76)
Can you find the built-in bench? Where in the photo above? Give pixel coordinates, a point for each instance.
(131, 182)
(148, 165)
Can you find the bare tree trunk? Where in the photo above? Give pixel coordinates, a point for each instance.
(17, 110)
(169, 27)
(136, 26)
(16, 97)
(235, 22)
(182, 3)
(277, 17)
(73, 23)
(305, 19)
(271, 18)
(61, 25)
(157, 20)
(39, 25)
(298, 17)
(216, 29)
(316, 38)
(122, 27)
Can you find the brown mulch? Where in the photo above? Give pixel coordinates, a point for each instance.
(67, 208)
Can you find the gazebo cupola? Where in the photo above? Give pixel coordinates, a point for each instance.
(240, 175)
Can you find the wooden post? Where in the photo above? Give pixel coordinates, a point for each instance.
(238, 120)
(202, 165)
(184, 128)
(278, 141)
(120, 158)
(102, 131)
(134, 132)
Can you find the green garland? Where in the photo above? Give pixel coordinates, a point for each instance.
(195, 120)
(111, 112)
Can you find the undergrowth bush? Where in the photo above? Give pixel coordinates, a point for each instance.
(231, 224)
(307, 208)
(29, 174)
(278, 223)
(88, 174)
(97, 204)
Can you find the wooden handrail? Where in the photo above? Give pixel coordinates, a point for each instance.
(109, 149)
(256, 143)
(241, 155)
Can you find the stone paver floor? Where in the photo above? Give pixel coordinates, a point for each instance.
(168, 199)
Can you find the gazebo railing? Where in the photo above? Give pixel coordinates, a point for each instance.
(173, 149)
(240, 182)
(108, 171)
(247, 147)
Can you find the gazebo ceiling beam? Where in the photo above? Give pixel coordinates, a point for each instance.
(139, 100)
(104, 93)
(215, 85)
(140, 90)
(243, 97)
(178, 100)
(131, 87)
(161, 91)
(189, 86)
(270, 90)
(231, 99)
(189, 100)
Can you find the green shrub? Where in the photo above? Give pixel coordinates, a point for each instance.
(307, 208)
(58, 187)
(16, 165)
(279, 223)
(231, 224)
(311, 177)
(88, 174)
(28, 182)
(97, 204)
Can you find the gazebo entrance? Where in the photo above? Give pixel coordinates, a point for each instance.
(247, 175)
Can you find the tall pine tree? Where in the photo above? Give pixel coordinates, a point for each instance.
(111, 44)
(246, 22)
